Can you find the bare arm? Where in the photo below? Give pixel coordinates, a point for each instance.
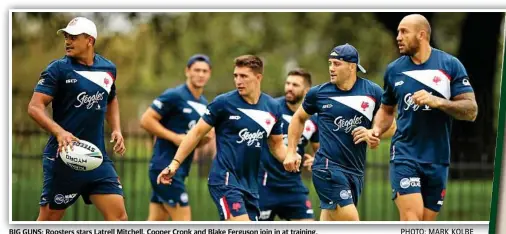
(112, 115)
(37, 111)
(390, 132)
(462, 107)
(150, 121)
(295, 129)
(191, 140)
(383, 119)
(277, 148)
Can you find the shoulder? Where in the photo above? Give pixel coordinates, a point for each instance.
(280, 100)
(105, 62)
(171, 93)
(225, 96)
(371, 84)
(447, 58)
(399, 62)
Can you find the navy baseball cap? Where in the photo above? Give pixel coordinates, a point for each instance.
(347, 53)
(198, 57)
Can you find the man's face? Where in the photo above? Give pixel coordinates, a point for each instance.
(75, 45)
(246, 80)
(199, 74)
(295, 89)
(339, 71)
(407, 39)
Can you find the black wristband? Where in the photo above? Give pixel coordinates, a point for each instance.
(177, 161)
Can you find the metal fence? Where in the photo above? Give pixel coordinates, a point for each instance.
(466, 200)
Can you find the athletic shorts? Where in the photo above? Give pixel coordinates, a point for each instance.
(63, 185)
(288, 205)
(172, 194)
(232, 201)
(337, 187)
(407, 177)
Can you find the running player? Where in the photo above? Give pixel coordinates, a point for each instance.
(429, 87)
(245, 120)
(345, 107)
(282, 193)
(169, 118)
(82, 89)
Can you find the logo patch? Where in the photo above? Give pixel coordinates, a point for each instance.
(70, 81)
(410, 182)
(327, 106)
(187, 110)
(347, 124)
(234, 117)
(158, 104)
(184, 197)
(399, 83)
(466, 82)
(345, 194)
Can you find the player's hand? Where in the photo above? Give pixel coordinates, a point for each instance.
(308, 162)
(361, 134)
(423, 97)
(179, 138)
(65, 140)
(119, 147)
(292, 162)
(165, 177)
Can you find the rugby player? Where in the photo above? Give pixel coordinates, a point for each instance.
(82, 89)
(169, 118)
(430, 88)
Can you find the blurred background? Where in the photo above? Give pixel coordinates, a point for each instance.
(151, 50)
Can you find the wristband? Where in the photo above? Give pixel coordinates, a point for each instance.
(176, 161)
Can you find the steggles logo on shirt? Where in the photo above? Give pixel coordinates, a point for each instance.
(251, 138)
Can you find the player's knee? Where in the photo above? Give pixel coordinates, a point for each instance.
(46, 214)
(117, 216)
(411, 214)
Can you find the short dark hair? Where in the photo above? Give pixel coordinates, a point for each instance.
(251, 61)
(303, 73)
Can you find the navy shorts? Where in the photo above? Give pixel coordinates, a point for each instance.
(337, 187)
(232, 201)
(286, 204)
(63, 185)
(407, 177)
(172, 194)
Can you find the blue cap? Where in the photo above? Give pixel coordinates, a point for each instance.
(198, 57)
(347, 53)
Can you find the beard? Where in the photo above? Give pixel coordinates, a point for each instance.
(414, 47)
(295, 99)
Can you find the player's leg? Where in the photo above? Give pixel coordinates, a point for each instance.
(59, 191)
(230, 203)
(335, 193)
(111, 206)
(173, 198)
(157, 211)
(406, 190)
(105, 191)
(433, 189)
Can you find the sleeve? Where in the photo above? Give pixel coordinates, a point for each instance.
(460, 80)
(378, 93)
(213, 111)
(388, 96)
(48, 81)
(112, 94)
(309, 103)
(316, 136)
(277, 129)
(165, 103)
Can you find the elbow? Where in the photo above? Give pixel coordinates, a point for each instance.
(32, 110)
(474, 113)
(144, 122)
